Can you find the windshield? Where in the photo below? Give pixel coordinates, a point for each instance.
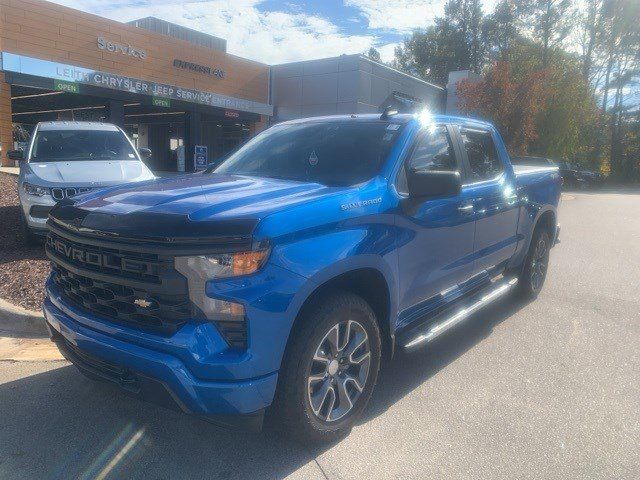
(70, 145)
(330, 153)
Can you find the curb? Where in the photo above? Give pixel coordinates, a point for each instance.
(21, 322)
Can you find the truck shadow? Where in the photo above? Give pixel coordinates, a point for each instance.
(58, 424)
(409, 370)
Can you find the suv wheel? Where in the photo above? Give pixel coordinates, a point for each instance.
(536, 263)
(330, 370)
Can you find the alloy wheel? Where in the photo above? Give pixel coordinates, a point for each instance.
(339, 371)
(539, 264)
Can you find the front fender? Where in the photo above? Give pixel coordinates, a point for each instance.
(322, 277)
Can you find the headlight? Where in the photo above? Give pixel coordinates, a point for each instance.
(35, 190)
(202, 268)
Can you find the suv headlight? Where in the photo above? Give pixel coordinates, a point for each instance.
(35, 190)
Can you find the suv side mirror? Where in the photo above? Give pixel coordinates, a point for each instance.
(17, 155)
(433, 183)
(145, 152)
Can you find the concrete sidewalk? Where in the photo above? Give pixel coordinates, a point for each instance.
(10, 170)
(24, 336)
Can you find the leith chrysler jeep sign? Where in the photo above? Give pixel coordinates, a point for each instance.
(69, 73)
(115, 47)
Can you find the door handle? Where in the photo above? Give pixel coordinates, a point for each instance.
(466, 208)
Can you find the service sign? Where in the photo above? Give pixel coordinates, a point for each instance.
(80, 75)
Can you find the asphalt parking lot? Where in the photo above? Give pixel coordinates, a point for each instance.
(545, 390)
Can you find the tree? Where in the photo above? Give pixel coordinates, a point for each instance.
(373, 54)
(550, 112)
(550, 22)
(591, 25)
(454, 42)
(500, 29)
(620, 45)
(511, 104)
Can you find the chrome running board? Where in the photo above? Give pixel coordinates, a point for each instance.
(447, 320)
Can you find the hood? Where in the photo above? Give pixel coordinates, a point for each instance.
(193, 206)
(90, 173)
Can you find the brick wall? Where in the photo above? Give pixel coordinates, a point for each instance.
(48, 31)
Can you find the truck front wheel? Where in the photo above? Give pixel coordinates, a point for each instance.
(330, 369)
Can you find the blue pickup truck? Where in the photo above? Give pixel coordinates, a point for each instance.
(279, 281)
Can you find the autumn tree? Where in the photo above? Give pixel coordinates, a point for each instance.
(511, 104)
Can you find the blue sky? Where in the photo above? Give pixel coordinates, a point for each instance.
(278, 31)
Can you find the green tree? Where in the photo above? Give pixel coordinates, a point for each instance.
(373, 54)
(501, 29)
(551, 22)
(454, 42)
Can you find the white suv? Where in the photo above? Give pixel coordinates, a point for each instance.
(64, 159)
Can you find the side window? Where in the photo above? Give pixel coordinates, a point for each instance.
(433, 151)
(482, 154)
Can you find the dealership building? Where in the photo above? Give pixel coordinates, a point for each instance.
(172, 89)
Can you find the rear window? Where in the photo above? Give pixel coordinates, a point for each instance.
(330, 153)
(70, 145)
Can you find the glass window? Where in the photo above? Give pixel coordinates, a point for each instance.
(330, 153)
(70, 145)
(482, 154)
(433, 151)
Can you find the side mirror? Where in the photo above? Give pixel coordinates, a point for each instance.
(145, 152)
(17, 155)
(433, 183)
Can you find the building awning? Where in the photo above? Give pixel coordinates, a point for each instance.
(10, 62)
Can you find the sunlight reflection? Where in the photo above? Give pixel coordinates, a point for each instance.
(114, 453)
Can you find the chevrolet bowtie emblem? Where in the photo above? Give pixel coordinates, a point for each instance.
(142, 303)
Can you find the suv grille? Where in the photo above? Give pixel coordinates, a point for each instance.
(61, 193)
(140, 290)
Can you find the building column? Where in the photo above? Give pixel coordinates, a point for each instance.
(192, 137)
(6, 126)
(258, 126)
(115, 112)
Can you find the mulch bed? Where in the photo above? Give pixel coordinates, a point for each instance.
(23, 270)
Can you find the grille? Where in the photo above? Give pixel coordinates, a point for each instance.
(112, 261)
(160, 313)
(234, 332)
(59, 193)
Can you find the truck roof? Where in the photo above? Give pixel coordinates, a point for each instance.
(401, 118)
(72, 125)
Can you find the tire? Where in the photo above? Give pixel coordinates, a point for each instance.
(29, 238)
(321, 396)
(536, 263)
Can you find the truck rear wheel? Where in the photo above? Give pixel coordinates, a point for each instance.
(330, 370)
(534, 271)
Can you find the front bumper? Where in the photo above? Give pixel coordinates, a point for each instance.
(36, 211)
(156, 375)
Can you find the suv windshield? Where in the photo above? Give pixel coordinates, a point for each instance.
(330, 153)
(70, 145)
